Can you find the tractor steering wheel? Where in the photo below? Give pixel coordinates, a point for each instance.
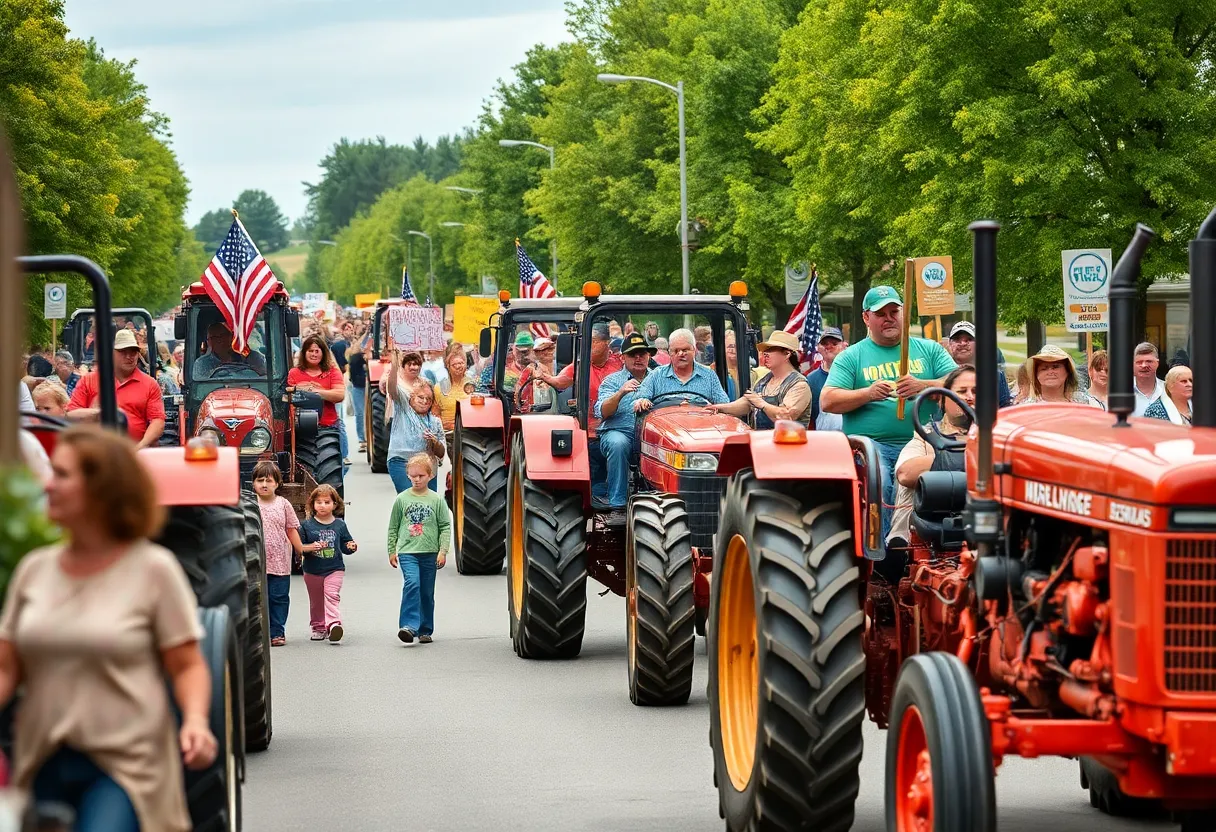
(518, 394)
(930, 433)
(684, 395)
(229, 369)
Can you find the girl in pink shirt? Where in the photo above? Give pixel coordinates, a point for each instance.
(280, 529)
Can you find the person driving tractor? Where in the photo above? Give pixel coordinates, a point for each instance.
(614, 407)
(220, 352)
(682, 375)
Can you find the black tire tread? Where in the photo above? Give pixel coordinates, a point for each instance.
(378, 438)
(483, 468)
(321, 455)
(258, 724)
(664, 625)
(1106, 796)
(207, 790)
(812, 661)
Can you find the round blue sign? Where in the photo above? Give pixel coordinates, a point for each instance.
(934, 275)
(1087, 273)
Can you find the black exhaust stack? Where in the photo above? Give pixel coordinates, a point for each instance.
(1203, 332)
(983, 516)
(1121, 398)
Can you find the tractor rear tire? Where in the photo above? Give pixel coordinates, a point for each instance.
(659, 607)
(1106, 796)
(786, 661)
(258, 725)
(939, 749)
(479, 503)
(214, 794)
(377, 437)
(547, 569)
(322, 457)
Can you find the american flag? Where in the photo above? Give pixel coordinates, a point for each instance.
(806, 321)
(533, 284)
(407, 291)
(240, 282)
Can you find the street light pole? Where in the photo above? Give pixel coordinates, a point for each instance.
(678, 89)
(458, 189)
(430, 263)
(552, 165)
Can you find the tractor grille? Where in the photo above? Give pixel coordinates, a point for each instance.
(1190, 616)
(702, 497)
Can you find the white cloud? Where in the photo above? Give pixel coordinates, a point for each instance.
(259, 110)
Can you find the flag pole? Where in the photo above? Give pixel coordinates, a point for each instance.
(909, 267)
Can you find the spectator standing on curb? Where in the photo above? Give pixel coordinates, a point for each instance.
(39, 364)
(1175, 405)
(831, 344)
(337, 349)
(1099, 376)
(864, 384)
(419, 533)
(961, 345)
(138, 394)
(356, 362)
(1148, 387)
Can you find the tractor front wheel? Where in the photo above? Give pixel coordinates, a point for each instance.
(547, 569)
(378, 433)
(321, 456)
(786, 662)
(659, 608)
(258, 726)
(939, 750)
(1106, 796)
(479, 502)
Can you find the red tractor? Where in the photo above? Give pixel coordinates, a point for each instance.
(245, 403)
(479, 462)
(660, 558)
(1059, 598)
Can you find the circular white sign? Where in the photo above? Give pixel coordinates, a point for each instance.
(934, 275)
(1087, 273)
(54, 293)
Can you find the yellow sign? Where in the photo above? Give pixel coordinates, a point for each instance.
(471, 315)
(367, 299)
(934, 286)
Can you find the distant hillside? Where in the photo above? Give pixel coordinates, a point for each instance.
(289, 262)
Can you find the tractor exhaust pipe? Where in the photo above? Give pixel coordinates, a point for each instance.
(1121, 399)
(983, 512)
(1203, 334)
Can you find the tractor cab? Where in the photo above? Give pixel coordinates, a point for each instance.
(79, 336)
(512, 340)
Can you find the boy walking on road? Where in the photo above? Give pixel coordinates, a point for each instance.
(419, 532)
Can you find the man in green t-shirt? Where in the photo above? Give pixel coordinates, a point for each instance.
(865, 387)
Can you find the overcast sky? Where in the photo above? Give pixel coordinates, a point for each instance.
(258, 90)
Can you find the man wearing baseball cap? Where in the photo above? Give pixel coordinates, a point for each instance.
(614, 408)
(961, 345)
(831, 344)
(138, 393)
(864, 384)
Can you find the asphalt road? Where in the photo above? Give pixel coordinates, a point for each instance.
(462, 735)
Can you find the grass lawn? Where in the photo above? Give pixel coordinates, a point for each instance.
(288, 262)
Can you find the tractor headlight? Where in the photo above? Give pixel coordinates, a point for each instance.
(213, 434)
(707, 463)
(256, 441)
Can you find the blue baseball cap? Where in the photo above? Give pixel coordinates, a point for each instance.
(880, 296)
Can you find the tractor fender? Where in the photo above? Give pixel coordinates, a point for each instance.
(543, 466)
(488, 414)
(376, 370)
(182, 482)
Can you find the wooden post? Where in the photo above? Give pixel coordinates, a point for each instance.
(909, 268)
(1089, 352)
(54, 336)
(938, 335)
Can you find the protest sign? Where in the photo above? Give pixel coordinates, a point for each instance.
(314, 302)
(934, 286)
(414, 328)
(471, 315)
(1086, 289)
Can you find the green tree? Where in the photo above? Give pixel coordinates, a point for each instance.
(263, 220)
(213, 227)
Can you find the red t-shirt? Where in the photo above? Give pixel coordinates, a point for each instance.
(139, 397)
(598, 374)
(331, 380)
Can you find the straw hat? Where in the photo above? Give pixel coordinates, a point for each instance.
(781, 340)
(1051, 354)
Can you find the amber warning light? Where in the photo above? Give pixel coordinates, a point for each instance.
(201, 449)
(591, 290)
(738, 290)
(477, 401)
(503, 296)
(787, 432)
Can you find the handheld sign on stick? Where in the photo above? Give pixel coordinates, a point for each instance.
(909, 268)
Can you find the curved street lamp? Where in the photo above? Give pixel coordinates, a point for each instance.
(678, 89)
(552, 165)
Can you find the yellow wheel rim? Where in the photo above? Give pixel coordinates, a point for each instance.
(517, 543)
(738, 664)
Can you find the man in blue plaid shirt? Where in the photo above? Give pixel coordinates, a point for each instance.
(682, 375)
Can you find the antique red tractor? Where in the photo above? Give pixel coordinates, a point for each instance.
(1059, 599)
(245, 403)
(479, 441)
(660, 557)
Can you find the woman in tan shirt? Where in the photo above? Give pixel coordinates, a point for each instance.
(90, 628)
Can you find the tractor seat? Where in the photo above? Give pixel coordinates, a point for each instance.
(937, 509)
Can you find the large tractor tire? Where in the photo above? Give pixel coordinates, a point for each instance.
(214, 794)
(322, 456)
(258, 724)
(546, 569)
(1106, 796)
(940, 775)
(479, 502)
(659, 607)
(377, 436)
(786, 661)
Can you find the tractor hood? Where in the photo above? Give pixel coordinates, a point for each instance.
(690, 429)
(233, 412)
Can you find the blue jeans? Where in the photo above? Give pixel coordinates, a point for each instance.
(398, 473)
(616, 447)
(278, 597)
(417, 593)
(72, 778)
(357, 394)
(888, 452)
(599, 469)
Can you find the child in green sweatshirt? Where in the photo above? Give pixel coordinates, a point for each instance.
(419, 532)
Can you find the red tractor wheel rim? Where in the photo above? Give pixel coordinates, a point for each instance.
(738, 664)
(913, 776)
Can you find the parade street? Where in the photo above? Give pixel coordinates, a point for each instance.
(462, 735)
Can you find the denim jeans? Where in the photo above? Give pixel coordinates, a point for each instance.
(278, 598)
(617, 447)
(357, 394)
(417, 593)
(72, 778)
(399, 474)
(599, 469)
(891, 567)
